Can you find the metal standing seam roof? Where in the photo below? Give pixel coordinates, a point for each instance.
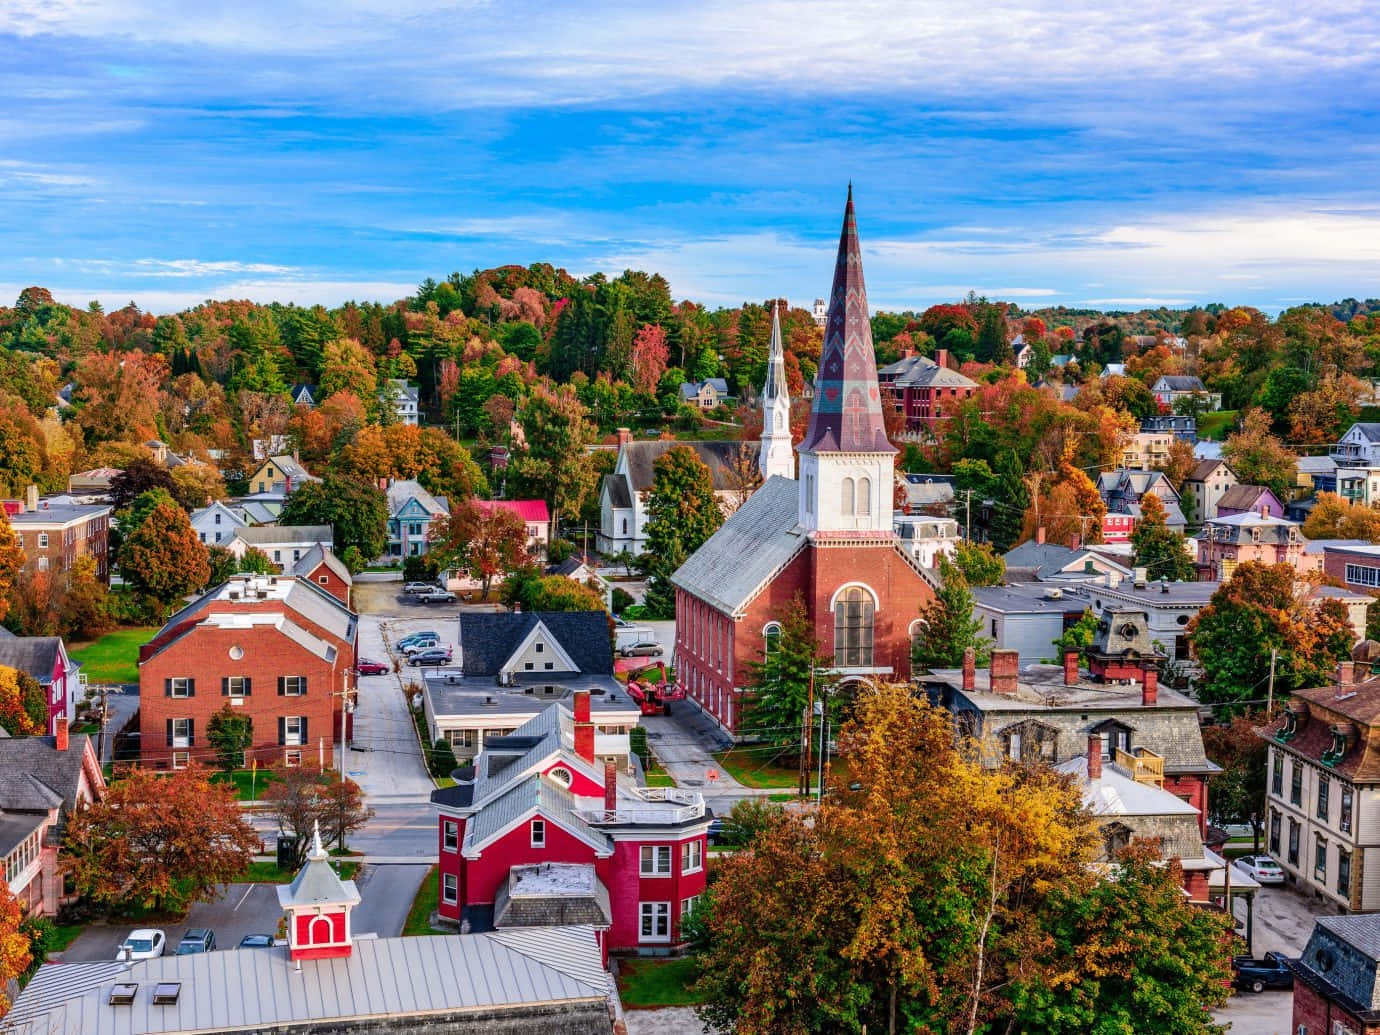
(529, 795)
(257, 535)
(756, 542)
(253, 989)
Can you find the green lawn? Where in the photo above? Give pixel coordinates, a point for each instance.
(246, 782)
(761, 766)
(268, 873)
(419, 916)
(646, 983)
(659, 778)
(114, 658)
(1217, 425)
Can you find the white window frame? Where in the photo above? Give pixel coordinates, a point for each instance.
(687, 906)
(450, 889)
(292, 759)
(186, 687)
(43, 540)
(651, 916)
(181, 759)
(450, 835)
(230, 684)
(290, 681)
(289, 734)
(655, 860)
(537, 832)
(692, 856)
(183, 740)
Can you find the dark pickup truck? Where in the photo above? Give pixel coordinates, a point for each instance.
(1257, 975)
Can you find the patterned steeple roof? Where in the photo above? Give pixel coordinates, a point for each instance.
(776, 361)
(847, 412)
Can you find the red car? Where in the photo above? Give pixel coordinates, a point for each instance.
(365, 667)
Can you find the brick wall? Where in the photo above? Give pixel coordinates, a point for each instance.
(65, 544)
(1316, 1014)
(324, 578)
(204, 655)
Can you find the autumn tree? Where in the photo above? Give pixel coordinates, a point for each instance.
(163, 556)
(1158, 548)
(1237, 793)
(682, 512)
(141, 476)
(486, 539)
(23, 704)
(346, 365)
(1066, 504)
(780, 682)
(197, 485)
(15, 955)
(553, 466)
(649, 356)
(159, 841)
(305, 797)
(1258, 457)
(1262, 609)
(529, 589)
(357, 512)
(978, 563)
(1335, 518)
(948, 626)
(230, 731)
(11, 561)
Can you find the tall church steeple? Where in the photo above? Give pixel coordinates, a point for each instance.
(776, 456)
(846, 461)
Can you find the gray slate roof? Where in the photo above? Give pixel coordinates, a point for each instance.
(36, 655)
(255, 535)
(1179, 383)
(1369, 429)
(317, 556)
(756, 542)
(50, 777)
(1341, 960)
(260, 989)
(620, 496)
(489, 640)
(527, 796)
(719, 457)
(922, 372)
(405, 489)
(515, 907)
(292, 469)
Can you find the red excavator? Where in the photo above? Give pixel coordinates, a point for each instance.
(652, 691)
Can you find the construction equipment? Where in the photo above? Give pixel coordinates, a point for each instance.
(653, 691)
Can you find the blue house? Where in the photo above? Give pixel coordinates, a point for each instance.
(411, 512)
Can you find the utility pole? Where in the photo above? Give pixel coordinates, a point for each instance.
(344, 694)
(805, 731)
(823, 741)
(968, 515)
(1270, 698)
(105, 718)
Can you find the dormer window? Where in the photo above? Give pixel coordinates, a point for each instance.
(1115, 736)
(1030, 742)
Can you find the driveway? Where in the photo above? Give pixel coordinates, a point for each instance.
(243, 909)
(386, 894)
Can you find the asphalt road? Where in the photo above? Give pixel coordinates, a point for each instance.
(243, 909)
(386, 894)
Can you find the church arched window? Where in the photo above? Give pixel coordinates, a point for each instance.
(771, 638)
(853, 611)
(846, 498)
(864, 496)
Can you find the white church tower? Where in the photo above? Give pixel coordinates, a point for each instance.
(776, 455)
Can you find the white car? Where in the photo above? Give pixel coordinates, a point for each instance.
(147, 943)
(1261, 868)
(425, 643)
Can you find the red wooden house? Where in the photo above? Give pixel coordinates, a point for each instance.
(539, 833)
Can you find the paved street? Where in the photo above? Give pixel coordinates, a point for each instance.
(243, 909)
(386, 894)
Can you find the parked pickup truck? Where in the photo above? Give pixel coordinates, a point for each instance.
(1259, 974)
(435, 596)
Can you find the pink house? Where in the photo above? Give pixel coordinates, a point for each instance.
(534, 514)
(1229, 540)
(1249, 499)
(539, 833)
(45, 658)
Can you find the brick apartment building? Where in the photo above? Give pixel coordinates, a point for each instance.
(279, 648)
(1336, 980)
(54, 536)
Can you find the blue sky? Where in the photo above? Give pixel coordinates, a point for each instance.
(1042, 152)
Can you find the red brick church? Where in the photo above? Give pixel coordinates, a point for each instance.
(826, 534)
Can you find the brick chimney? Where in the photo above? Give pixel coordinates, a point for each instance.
(941, 357)
(610, 790)
(1040, 535)
(907, 353)
(969, 669)
(1149, 686)
(1070, 666)
(1075, 541)
(1006, 671)
(1094, 756)
(584, 729)
(624, 436)
(1346, 673)
(31, 498)
(60, 733)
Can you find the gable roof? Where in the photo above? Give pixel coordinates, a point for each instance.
(1178, 383)
(1369, 430)
(1244, 497)
(1204, 469)
(753, 544)
(531, 511)
(36, 655)
(290, 468)
(51, 777)
(720, 457)
(619, 492)
(524, 799)
(402, 490)
(317, 556)
(922, 372)
(255, 535)
(488, 640)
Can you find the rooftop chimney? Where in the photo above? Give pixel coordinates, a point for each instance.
(1070, 666)
(31, 498)
(969, 669)
(624, 436)
(60, 733)
(610, 790)
(584, 729)
(1347, 674)
(1006, 671)
(1040, 535)
(1075, 541)
(941, 357)
(1149, 686)
(1094, 756)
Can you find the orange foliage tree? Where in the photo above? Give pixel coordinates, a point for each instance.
(14, 943)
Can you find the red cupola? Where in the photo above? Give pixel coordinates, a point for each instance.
(318, 905)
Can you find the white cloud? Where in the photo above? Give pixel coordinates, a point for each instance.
(162, 300)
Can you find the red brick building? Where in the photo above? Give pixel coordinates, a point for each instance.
(279, 648)
(1335, 980)
(924, 390)
(53, 537)
(321, 567)
(539, 833)
(827, 536)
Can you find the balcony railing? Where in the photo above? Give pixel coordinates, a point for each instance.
(1142, 764)
(651, 805)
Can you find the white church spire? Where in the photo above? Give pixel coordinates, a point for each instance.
(776, 455)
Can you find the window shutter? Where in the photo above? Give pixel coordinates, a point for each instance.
(302, 685)
(191, 687)
(167, 688)
(170, 733)
(191, 733)
(282, 686)
(282, 730)
(305, 739)
(248, 685)
(224, 686)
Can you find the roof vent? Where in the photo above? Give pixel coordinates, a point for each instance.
(489, 702)
(165, 993)
(123, 994)
(234, 594)
(1054, 593)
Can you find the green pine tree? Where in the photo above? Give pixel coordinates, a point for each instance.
(682, 513)
(948, 626)
(1157, 547)
(780, 682)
